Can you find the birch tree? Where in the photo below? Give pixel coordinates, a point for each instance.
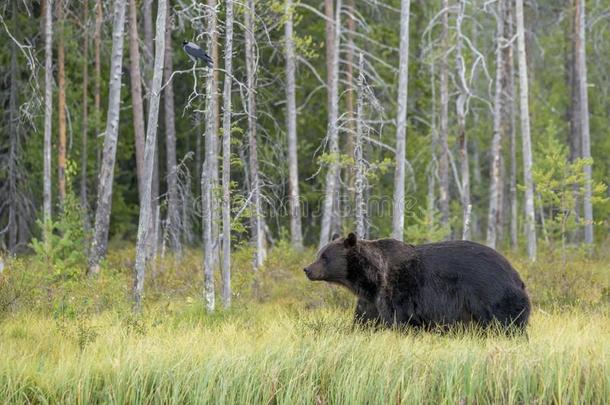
(333, 127)
(209, 175)
(97, 76)
(173, 208)
(106, 174)
(48, 112)
(226, 158)
(149, 157)
(512, 125)
(583, 101)
(444, 117)
(398, 218)
(530, 225)
(360, 176)
(85, 125)
(61, 105)
(460, 107)
(291, 124)
(496, 143)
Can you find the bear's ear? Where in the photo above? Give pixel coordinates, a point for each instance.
(351, 240)
(335, 237)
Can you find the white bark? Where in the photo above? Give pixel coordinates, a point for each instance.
(360, 176)
(226, 158)
(48, 111)
(106, 174)
(398, 217)
(332, 132)
(444, 118)
(208, 179)
(296, 235)
(530, 225)
(583, 101)
(149, 157)
(510, 100)
(255, 187)
(496, 143)
(461, 103)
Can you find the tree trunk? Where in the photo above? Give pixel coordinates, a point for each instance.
(136, 94)
(496, 143)
(14, 150)
(291, 118)
(333, 39)
(461, 121)
(530, 225)
(583, 101)
(398, 217)
(48, 112)
(226, 158)
(106, 175)
(97, 84)
(258, 231)
(512, 130)
(61, 106)
(173, 209)
(360, 176)
(85, 125)
(149, 157)
(209, 177)
(444, 118)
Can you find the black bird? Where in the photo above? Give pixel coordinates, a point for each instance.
(195, 52)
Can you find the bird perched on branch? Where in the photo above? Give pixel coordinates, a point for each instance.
(195, 52)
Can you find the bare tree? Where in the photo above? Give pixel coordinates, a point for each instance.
(48, 111)
(512, 125)
(61, 105)
(398, 218)
(444, 117)
(296, 235)
(226, 158)
(530, 225)
(583, 101)
(360, 176)
(333, 42)
(97, 75)
(149, 157)
(106, 174)
(209, 175)
(136, 93)
(461, 107)
(173, 208)
(496, 143)
(85, 125)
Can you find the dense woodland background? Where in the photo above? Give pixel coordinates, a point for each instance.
(102, 109)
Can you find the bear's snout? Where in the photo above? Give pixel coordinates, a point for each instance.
(311, 272)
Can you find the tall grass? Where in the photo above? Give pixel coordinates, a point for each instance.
(270, 354)
(290, 341)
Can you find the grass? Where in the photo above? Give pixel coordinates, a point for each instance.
(73, 340)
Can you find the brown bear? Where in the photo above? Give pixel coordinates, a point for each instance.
(426, 286)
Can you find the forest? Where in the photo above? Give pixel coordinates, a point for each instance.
(168, 167)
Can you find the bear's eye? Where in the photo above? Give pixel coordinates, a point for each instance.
(323, 257)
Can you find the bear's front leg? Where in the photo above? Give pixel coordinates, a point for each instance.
(366, 313)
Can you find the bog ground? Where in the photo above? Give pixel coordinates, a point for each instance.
(67, 339)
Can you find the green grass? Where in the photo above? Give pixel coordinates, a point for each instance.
(73, 340)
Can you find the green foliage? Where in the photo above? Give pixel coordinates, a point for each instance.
(425, 227)
(65, 251)
(560, 185)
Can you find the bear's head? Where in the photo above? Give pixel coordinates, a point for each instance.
(331, 263)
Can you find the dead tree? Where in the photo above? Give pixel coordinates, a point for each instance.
(530, 224)
(296, 235)
(48, 112)
(333, 125)
(173, 209)
(106, 174)
(398, 218)
(149, 157)
(61, 105)
(496, 143)
(444, 117)
(226, 158)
